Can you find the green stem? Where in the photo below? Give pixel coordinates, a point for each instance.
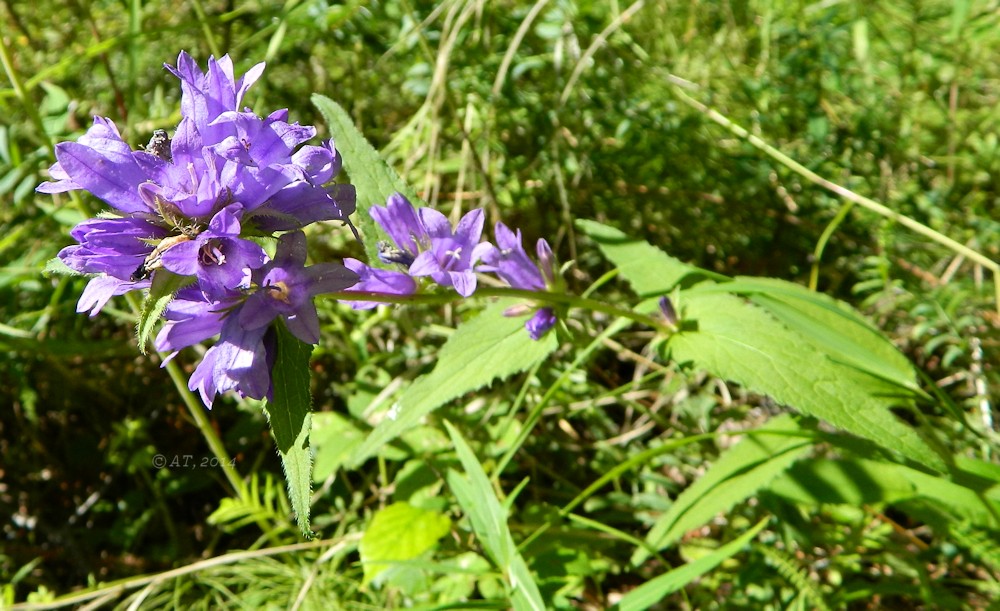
(206, 28)
(844, 192)
(197, 411)
(119, 587)
(566, 299)
(30, 107)
(823, 239)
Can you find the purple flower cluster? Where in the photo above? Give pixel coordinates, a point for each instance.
(425, 245)
(186, 206)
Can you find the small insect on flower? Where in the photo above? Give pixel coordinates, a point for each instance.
(390, 254)
(154, 260)
(159, 145)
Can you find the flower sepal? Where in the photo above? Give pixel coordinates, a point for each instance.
(163, 286)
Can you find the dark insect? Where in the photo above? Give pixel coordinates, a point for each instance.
(159, 145)
(153, 260)
(390, 254)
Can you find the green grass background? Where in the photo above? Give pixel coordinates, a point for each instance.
(542, 113)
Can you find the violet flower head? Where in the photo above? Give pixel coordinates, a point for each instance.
(285, 288)
(186, 205)
(425, 245)
(452, 256)
(217, 257)
(182, 203)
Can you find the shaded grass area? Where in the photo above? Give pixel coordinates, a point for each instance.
(541, 117)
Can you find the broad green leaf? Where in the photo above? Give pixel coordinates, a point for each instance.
(289, 416)
(832, 326)
(491, 346)
(858, 482)
(333, 438)
(162, 289)
(400, 532)
(739, 341)
(654, 590)
(987, 473)
(649, 270)
(841, 332)
(373, 178)
(740, 471)
(489, 521)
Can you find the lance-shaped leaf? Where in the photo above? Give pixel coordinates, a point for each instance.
(290, 419)
(374, 179)
(489, 347)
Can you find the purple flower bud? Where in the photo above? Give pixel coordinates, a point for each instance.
(539, 324)
(510, 261)
(668, 311)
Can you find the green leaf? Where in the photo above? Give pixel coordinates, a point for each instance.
(255, 506)
(399, 532)
(654, 590)
(738, 473)
(858, 482)
(830, 325)
(289, 416)
(490, 346)
(374, 179)
(739, 341)
(489, 521)
(333, 438)
(161, 291)
(648, 269)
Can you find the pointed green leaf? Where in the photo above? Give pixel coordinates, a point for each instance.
(648, 269)
(491, 346)
(857, 482)
(374, 179)
(489, 521)
(654, 590)
(833, 326)
(399, 532)
(739, 341)
(740, 472)
(289, 416)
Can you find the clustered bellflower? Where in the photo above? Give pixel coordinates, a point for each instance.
(185, 205)
(188, 205)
